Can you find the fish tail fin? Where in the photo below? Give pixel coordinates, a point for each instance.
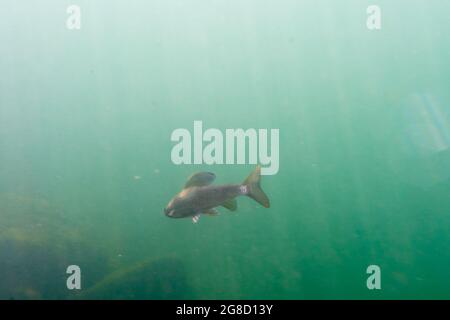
(254, 190)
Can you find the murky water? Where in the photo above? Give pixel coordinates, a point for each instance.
(86, 118)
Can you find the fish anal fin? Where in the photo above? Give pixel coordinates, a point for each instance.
(230, 204)
(211, 212)
(200, 179)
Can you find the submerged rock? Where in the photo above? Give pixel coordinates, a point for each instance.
(37, 244)
(38, 241)
(153, 279)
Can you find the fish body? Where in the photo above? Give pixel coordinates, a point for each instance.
(200, 197)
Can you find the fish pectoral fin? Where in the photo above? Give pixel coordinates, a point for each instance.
(211, 212)
(230, 204)
(196, 218)
(200, 179)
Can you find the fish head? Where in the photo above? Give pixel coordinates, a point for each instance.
(179, 207)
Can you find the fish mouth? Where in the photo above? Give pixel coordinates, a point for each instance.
(168, 212)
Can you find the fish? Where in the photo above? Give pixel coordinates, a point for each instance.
(200, 197)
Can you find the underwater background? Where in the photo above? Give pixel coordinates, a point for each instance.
(85, 170)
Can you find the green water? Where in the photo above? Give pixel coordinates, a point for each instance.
(86, 118)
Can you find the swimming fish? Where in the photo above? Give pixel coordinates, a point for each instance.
(200, 197)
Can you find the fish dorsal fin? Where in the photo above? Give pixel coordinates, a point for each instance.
(230, 204)
(200, 179)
